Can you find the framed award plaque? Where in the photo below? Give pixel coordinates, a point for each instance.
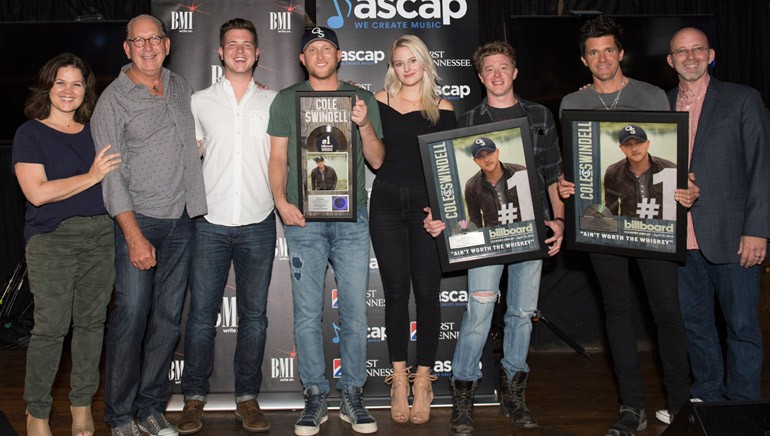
(326, 155)
(626, 166)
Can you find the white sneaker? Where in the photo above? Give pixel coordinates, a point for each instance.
(663, 416)
(666, 418)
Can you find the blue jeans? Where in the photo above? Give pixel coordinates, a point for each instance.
(251, 249)
(521, 303)
(311, 248)
(737, 290)
(144, 323)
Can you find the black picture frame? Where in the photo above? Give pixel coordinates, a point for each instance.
(326, 133)
(448, 166)
(597, 219)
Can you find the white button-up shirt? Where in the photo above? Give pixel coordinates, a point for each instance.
(236, 151)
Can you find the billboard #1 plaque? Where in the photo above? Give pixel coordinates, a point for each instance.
(626, 167)
(326, 155)
(485, 224)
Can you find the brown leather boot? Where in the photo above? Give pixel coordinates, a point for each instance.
(249, 413)
(191, 420)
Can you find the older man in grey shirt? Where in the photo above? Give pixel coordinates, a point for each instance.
(145, 114)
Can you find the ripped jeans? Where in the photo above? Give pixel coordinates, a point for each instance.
(483, 292)
(311, 248)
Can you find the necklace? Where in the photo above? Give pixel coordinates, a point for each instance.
(153, 88)
(617, 97)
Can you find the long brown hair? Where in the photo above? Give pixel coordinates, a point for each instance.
(38, 104)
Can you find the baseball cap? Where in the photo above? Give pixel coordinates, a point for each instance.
(319, 33)
(632, 131)
(318, 158)
(480, 144)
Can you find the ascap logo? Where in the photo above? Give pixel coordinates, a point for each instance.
(454, 92)
(228, 316)
(453, 298)
(282, 368)
(280, 22)
(176, 371)
(375, 334)
(182, 21)
(337, 368)
(363, 57)
(438, 12)
(443, 367)
(373, 264)
(413, 331)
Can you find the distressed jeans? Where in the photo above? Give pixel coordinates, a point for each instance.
(521, 304)
(311, 248)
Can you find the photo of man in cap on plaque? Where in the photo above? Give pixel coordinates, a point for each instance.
(323, 177)
(631, 188)
(490, 199)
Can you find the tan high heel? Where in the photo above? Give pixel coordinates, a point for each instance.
(399, 395)
(82, 421)
(422, 389)
(37, 426)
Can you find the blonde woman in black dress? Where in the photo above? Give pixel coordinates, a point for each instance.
(406, 253)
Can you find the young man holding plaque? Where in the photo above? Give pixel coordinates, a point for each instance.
(312, 245)
(239, 229)
(496, 66)
(728, 228)
(602, 52)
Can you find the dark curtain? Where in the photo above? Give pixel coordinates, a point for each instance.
(743, 28)
(68, 10)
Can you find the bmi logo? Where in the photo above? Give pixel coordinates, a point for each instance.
(413, 331)
(228, 316)
(282, 368)
(280, 22)
(176, 370)
(335, 299)
(182, 21)
(337, 368)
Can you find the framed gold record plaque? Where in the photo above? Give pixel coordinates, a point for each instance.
(326, 155)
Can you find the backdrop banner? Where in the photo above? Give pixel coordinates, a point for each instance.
(365, 35)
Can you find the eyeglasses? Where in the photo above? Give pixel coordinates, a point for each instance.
(684, 52)
(139, 42)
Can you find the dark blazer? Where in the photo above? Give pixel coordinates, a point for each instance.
(731, 162)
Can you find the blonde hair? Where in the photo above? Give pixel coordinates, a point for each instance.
(429, 98)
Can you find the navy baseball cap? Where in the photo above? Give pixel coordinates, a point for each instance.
(319, 33)
(481, 144)
(318, 158)
(632, 131)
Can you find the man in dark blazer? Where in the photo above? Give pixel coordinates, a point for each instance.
(728, 225)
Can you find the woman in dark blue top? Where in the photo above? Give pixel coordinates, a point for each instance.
(70, 242)
(406, 253)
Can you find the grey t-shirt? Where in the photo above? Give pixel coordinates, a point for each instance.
(635, 96)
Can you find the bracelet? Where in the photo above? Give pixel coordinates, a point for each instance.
(559, 218)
